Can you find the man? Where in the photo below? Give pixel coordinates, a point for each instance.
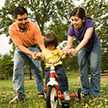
(26, 36)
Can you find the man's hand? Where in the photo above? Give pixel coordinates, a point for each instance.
(33, 55)
(37, 55)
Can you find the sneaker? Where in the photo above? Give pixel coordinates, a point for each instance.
(66, 96)
(16, 99)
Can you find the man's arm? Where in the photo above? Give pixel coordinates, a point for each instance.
(25, 50)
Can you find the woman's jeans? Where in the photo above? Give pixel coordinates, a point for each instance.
(18, 75)
(89, 62)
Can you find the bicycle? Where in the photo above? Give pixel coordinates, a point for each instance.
(54, 95)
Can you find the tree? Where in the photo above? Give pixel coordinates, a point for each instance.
(41, 11)
(53, 15)
(99, 11)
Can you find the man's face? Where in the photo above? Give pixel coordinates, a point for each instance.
(22, 21)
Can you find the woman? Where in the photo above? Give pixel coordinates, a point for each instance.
(88, 50)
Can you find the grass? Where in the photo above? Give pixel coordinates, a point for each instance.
(33, 101)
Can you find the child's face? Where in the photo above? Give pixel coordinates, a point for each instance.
(76, 22)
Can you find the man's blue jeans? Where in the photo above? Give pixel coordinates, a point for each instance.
(18, 75)
(89, 62)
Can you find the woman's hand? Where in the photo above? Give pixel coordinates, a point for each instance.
(73, 51)
(66, 50)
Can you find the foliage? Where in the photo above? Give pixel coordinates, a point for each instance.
(53, 15)
(98, 10)
(74, 65)
(45, 11)
(60, 30)
(5, 67)
(41, 11)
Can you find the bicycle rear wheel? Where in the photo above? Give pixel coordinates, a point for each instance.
(52, 99)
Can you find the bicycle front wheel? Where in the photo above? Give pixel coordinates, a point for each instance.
(52, 99)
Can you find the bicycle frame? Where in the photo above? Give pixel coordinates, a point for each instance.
(53, 77)
(53, 82)
(54, 94)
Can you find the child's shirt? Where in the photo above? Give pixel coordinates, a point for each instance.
(54, 56)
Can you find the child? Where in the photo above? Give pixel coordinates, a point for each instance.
(53, 53)
(82, 28)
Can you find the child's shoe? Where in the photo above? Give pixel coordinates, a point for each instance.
(66, 96)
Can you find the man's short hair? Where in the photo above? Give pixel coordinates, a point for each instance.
(19, 11)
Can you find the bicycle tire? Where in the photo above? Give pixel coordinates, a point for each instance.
(65, 105)
(51, 98)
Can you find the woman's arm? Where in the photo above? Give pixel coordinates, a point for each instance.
(87, 37)
(69, 42)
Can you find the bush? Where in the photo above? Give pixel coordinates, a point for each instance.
(6, 67)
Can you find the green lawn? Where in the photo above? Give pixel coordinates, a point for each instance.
(33, 101)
